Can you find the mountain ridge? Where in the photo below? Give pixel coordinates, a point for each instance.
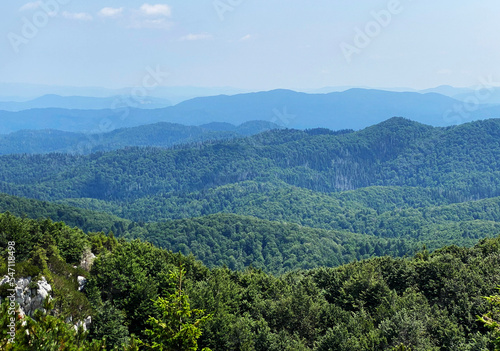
(351, 109)
(161, 134)
(401, 156)
(82, 102)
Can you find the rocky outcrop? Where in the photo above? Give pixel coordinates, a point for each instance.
(85, 324)
(30, 295)
(87, 259)
(81, 282)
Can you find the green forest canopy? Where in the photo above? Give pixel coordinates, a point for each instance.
(427, 302)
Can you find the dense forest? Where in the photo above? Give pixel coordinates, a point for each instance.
(431, 301)
(396, 182)
(159, 134)
(385, 238)
(235, 241)
(461, 161)
(283, 243)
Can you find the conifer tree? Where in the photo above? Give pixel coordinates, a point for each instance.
(178, 328)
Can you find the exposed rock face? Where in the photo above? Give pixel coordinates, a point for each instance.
(30, 297)
(85, 324)
(81, 282)
(87, 259)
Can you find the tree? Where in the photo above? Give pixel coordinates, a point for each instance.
(108, 324)
(178, 328)
(492, 318)
(401, 347)
(44, 332)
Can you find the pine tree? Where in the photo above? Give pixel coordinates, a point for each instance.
(178, 328)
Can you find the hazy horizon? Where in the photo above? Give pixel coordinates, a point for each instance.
(252, 46)
(27, 91)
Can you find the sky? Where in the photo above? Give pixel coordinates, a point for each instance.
(250, 44)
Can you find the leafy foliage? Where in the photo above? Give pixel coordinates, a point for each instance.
(461, 160)
(491, 319)
(396, 180)
(428, 302)
(178, 328)
(241, 241)
(45, 333)
(294, 226)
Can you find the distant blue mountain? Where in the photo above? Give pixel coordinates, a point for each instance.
(83, 103)
(448, 90)
(175, 94)
(351, 109)
(484, 93)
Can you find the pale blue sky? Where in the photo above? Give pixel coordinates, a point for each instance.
(259, 44)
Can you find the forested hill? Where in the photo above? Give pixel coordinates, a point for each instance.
(293, 230)
(158, 134)
(86, 220)
(393, 186)
(310, 240)
(230, 240)
(462, 161)
(430, 302)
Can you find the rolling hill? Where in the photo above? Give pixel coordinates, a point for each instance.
(461, 160)
(398, 180)
(351, 109)
(160, 134)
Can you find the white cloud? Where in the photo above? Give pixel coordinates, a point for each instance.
(79, 16)
(156, 10)
(110, 12)
(151, 17)
(159, 23)
(30, 6)
(245, 38)
(201, 36)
